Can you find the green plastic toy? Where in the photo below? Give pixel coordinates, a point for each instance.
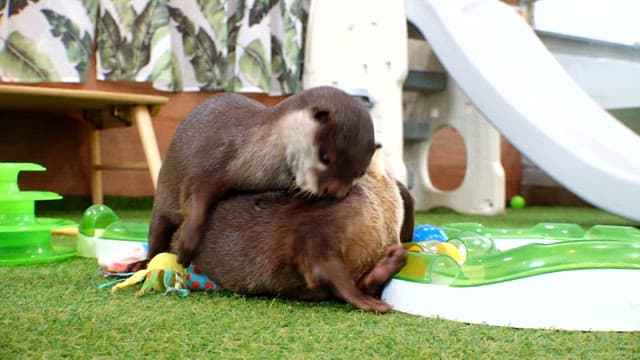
(25, 238)
(114, 243)
(497, 255)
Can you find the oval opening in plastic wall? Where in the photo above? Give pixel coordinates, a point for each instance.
(447, 159)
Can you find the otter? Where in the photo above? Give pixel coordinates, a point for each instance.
(277, 244)
(319, 142)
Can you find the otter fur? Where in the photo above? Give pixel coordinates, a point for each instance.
(280, 245)
(319, 141)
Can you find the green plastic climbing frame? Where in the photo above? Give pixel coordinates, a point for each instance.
(25, 238)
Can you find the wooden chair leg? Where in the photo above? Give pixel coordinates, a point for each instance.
(96, 172)
(142, 119)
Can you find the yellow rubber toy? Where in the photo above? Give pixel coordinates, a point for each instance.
(163, 273)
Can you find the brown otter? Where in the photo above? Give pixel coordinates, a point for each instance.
(319, 141)
(282, 245)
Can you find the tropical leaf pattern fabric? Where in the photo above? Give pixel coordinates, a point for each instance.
(178, 45)
(46, 40)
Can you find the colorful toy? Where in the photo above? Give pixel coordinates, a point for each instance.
(548, 276)
(164, 274)
(25, 238)
(196, 280)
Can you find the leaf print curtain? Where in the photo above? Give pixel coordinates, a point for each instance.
(178, 45)
(46, 40)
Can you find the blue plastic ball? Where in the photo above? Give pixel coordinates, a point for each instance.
(429, 232)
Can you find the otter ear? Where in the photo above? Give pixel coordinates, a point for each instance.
(322, 116)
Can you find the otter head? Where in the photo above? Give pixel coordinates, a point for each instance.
(342, 148)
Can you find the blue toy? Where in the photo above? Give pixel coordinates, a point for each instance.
(429, 232)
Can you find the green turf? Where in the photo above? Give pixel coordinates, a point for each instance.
(56, 311)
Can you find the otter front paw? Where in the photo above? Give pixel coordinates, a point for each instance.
(186, 254)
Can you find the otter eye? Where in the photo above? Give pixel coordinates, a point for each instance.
(324, 158)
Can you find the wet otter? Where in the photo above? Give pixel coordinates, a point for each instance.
(319, 141)
(282, 245)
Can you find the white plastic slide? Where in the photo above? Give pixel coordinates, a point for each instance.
(511, 77)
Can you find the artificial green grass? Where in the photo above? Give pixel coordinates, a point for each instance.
(55, 311)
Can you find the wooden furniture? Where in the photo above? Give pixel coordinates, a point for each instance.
(103, 110)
